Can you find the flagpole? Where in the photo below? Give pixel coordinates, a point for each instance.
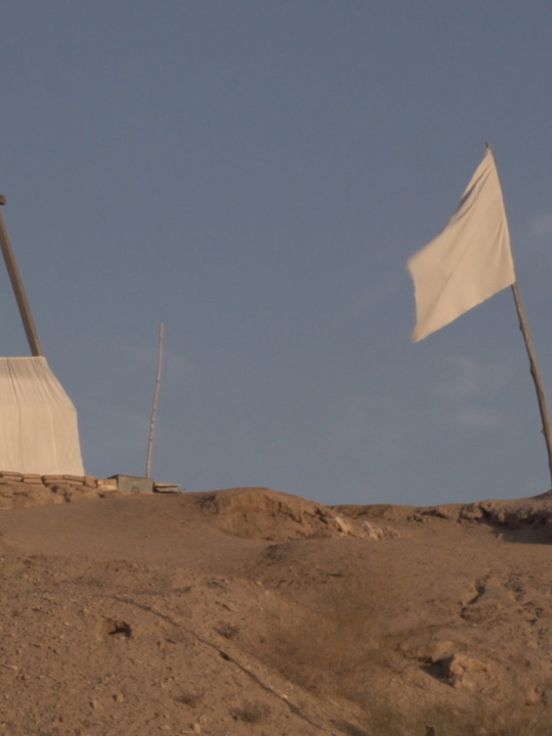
(535, 372)
(529, 347)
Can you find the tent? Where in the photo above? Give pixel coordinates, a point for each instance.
(38, 421)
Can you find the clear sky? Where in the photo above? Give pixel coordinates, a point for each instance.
(256, 175)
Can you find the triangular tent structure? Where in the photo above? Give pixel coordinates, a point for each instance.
(38, 421)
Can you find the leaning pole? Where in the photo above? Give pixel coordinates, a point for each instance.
(18, 287)
(529, 347)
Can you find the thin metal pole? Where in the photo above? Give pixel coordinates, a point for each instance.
(529, 347)
(155, 402)
(18, 287)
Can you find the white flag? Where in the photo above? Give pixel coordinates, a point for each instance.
(469, 261)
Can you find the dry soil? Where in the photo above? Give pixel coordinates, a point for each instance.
(251, 612)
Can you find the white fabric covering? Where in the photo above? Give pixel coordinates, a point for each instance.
(38, 421)
(471, 259)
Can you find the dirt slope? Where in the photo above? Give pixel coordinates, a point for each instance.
(254, 612)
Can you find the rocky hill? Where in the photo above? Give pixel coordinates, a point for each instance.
(252, 612)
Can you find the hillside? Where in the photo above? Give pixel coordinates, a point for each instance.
(252, 612)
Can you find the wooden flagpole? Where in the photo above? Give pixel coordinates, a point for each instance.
(529, 347)
(18, 287)
(535, 372)
(155, 403)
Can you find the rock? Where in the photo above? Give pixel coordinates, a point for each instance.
(471, 512)
(459, 669)
(534, 696)
(369, 531)
(33, 495)
(343, 526)
(439, 651)
(449, 512)
(372, 532)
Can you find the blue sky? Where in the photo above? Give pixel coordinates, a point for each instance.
(256, 175)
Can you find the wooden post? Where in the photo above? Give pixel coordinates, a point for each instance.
(529, 346)
(18, 287)
(155, 403)
(535, 372)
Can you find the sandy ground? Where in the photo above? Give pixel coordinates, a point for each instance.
(248, 611)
